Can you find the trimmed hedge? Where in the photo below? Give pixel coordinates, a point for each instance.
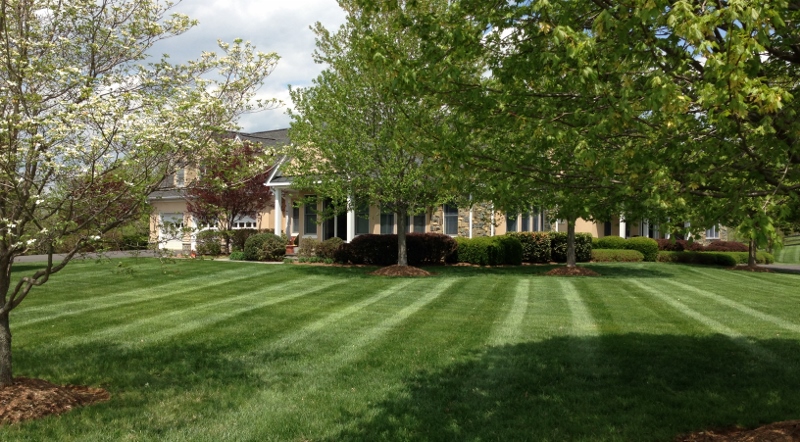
(728, 259)
(535, 246)
(617, 255)
(490, 250)
(726, 246)
(679, 245)
(209, 242)
(327, 248)
(237, 256)
(647, 246)
(421, 248)
(610, 242)
(583, 247)
(309, 248)
(265, 247)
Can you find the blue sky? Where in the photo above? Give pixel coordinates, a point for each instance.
(280, 26)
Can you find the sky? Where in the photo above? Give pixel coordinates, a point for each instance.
(280, 26)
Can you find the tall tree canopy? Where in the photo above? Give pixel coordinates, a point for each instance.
(88, 129)
(355, 137)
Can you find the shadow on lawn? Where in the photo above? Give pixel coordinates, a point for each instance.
(625, 387)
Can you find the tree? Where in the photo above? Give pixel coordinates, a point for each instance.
(231, 186)
(356, 140)
(88, 130)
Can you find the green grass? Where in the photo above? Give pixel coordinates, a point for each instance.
(237, 351)
(788, 255)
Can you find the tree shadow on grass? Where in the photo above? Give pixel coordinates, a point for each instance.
(631, 387)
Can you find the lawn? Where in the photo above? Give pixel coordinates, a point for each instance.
(238, 351)
(788, 255)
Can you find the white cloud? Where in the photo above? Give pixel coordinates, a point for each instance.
(272, 26)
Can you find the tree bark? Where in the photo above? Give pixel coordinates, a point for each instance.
(5, 352)
(402, 252)
(751, 254)
(571, 261)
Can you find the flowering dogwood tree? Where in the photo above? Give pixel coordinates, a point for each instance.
(89, 129)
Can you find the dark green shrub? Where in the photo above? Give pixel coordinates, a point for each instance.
(344, 255)
(264, 247)
(535, 246)
(209, 242)
(239, 236)
(135, 242)
(373, 249)
(728, 259)
(421, 249)
(327, 248)
(583, 247)
(490, 250)
(726, 246)
(647, 246)
(616, 255)
(511, 249)
(429, 248)
(611, 242)
(237, 256)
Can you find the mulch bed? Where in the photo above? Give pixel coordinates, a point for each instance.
(35, 398)
(571, 271)
(747, 268)
(397, 270)
(787, 431)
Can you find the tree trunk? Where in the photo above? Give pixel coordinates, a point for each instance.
(402, 252)
(571, 261)
(5, 352)
(751, 254)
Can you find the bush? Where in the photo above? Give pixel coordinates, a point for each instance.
(647, 246)
(239, 236)
(421, 249)
(327, 248)
(429, 248)
(617, 255)
(714, 258)
(265, 247)
(237, 256)
(490, 250)
(209, 243)
(309, 248)
(726, 246)
(535, 246)
(610, 242)
(583, 246)
(135, 242)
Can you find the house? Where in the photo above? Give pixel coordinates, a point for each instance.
(296, 212)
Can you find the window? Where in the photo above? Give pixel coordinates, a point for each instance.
(537, 220)
(362, 219)
(525, 222)
(387, 223)
(713, 233)
(172, 221)
(295, 220)
(310, 216)
(511, 223)
(416, 223)
(607, 228)
(180, 177)
(244, 222)
(450, 219)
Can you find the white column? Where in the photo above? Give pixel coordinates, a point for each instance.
(556, 224)
(646, 228)
(470, 215)
(289, 213)
(622, 225)
(351, 220)
(278, 215)
(491, 228)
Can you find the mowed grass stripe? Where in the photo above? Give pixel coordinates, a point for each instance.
(775, 281)
(324, 371)
(176, 318)
(55, 305)
(711, 324)
(738, 306)
(788, 255)
(582, 322)
(137, 296)
(511, 327)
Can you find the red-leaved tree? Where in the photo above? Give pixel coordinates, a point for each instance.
(232, 187)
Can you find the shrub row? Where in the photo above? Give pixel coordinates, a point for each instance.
(648, 247)
(583, 247)
(617, 255)
(422, 249)
(728, 259)
(535, 246)
(490, 250)
(314, 248)
(682, 245)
